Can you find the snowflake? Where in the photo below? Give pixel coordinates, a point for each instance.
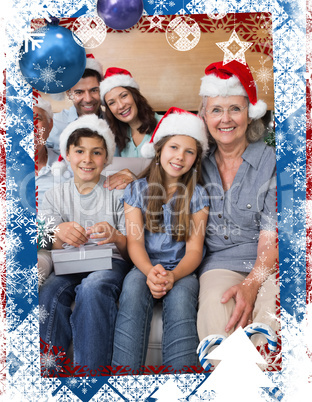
(50, 361)
(297, 169)
(27, 143)
(48, 75)
(161, 6)
(86, 382)
(43, 314)
(46, 230)
(19, 120)
(13, 242)
(30, 37)
(264, 74)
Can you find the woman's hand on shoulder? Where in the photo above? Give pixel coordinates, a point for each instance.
(119, 180)
(72, 233)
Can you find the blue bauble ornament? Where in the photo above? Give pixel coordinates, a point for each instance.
(57, 65)
(120, 14)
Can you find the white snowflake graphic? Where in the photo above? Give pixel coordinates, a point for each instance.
(47, 75)
(50, 361)
(161, 6)
(263, 75)
(46, 230)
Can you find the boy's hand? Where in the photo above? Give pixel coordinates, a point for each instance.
(72, 233)
(103, 230)
(119, 180)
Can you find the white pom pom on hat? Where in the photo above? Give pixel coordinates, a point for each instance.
(116, 77)
(94, 64)
(177, 122)
(231, 79)
(88, 121)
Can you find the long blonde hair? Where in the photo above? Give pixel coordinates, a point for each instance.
(155, 177)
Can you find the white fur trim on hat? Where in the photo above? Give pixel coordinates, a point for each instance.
(258, 110)
(177, 124)
(94, 123)
(93, 64)
(214, 86)
(44, 105)
(118, 80)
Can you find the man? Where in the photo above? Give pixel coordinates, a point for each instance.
(43, 119)
(85, 96)
(45, 157)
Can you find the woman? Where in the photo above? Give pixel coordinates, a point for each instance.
(130, 117)
(237, 280)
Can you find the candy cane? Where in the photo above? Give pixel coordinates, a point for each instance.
(205, 345)
(266, 330)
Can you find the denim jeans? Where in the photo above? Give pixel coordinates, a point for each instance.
(91, 324)
(134, 317)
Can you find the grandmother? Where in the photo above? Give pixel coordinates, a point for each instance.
(237, 277)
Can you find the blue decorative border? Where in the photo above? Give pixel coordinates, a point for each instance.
(23, 366)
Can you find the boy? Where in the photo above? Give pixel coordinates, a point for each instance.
(81, 207)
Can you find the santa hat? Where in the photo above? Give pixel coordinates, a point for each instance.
(116, 77)
(177, 122)
(233, 78)
(93, 64)
(44, 105)
(89, 121)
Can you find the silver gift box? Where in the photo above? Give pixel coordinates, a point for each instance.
(86, 258)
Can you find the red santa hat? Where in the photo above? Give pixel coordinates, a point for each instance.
(116, 77)
(233, 78)
(177, 122)
(93, 64)
(89, 121)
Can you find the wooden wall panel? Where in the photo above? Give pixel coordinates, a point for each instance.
(168, 77)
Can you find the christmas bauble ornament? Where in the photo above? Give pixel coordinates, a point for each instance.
(57, 65)
(120, 14)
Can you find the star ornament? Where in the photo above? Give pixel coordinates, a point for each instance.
(234, 49)
(156, 21)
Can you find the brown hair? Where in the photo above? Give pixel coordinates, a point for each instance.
(155, 175)
(76, 135)
(146, 115)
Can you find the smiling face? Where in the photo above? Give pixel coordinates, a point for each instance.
(85, 96)
(122, 105)
(229, 129)
(87, 160)
(178, 156)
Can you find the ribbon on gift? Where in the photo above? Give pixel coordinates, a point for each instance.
(82, 248)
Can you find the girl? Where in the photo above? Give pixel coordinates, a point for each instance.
(130, 117)
(166, 214)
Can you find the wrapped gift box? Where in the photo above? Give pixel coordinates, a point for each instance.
(86, 258)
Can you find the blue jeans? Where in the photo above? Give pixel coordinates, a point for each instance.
(134, 317)
(91, 324)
